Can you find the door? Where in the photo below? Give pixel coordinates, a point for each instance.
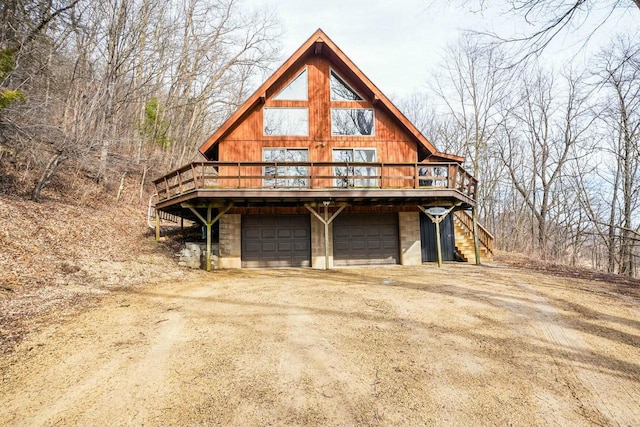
(365, 239)
(428, 238)
(276, 241)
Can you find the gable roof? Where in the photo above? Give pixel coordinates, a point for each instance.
(320, 43)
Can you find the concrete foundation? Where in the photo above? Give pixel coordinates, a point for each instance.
(317, 244)
(230, 243)
(410, 245)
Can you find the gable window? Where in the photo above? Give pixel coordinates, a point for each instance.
(352, 121)
(347, 176)
(341, 91)
(286, 175)
(297, 90)
(286, 121)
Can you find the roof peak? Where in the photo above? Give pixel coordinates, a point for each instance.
(319, 36)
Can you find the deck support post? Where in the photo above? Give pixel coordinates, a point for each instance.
(476, 247)
(326, 220)
(438, 246)
(157, 226)
(208, 223)
(326, 236)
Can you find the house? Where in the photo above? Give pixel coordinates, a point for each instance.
(318, 169)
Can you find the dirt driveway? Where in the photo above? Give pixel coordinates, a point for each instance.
(370, 346)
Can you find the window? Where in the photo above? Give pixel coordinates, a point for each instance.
(286, 121)
(355, 155)
(351, 121)
(297, 90)
(340, 91)
(292, 176)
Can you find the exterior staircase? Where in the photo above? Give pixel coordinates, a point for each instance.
(463, 232)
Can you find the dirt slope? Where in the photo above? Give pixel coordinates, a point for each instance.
(56, 257)
(465, 345)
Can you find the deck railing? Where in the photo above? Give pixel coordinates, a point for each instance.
(315, 175)
(484, 237)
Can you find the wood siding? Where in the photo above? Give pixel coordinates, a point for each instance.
(246, 141)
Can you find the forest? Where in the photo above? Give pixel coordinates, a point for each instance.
(115, 90)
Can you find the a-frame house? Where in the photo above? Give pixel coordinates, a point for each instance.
(318, 169)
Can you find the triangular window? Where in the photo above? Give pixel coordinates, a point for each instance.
(341, 91)
(296, 90)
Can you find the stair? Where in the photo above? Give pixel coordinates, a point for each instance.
(464, 240)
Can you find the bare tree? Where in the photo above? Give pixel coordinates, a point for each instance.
(474, 88)
(541, 138)
(121, 87)
(552, 19)
(620, 114)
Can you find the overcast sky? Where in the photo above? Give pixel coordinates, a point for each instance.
(397, 44)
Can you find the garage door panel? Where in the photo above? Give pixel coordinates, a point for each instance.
(340, 232)
(285, 233)
(267, 247)
(365, 239)
(300, 233)
(374, 245)
(253, 246)
(356, 245)
(390, 244)
(267, 233)
(285, 247)
(253, 234)
(276, 241)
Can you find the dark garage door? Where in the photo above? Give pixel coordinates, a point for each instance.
(363, 239)
(276, 241)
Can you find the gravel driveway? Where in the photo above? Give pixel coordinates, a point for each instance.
(464, 345)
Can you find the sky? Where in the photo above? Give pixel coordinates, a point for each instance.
(398, 44)
(395, 43)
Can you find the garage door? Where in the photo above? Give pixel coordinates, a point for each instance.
(276, 241)
(365, 239)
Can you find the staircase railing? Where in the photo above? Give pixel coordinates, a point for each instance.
(484, 237)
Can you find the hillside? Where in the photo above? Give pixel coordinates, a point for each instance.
(58, 257)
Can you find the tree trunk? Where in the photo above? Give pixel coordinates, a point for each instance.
(48, 172)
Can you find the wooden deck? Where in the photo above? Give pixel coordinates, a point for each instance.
(303, 182)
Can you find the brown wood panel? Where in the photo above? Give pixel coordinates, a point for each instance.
(246, 140)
